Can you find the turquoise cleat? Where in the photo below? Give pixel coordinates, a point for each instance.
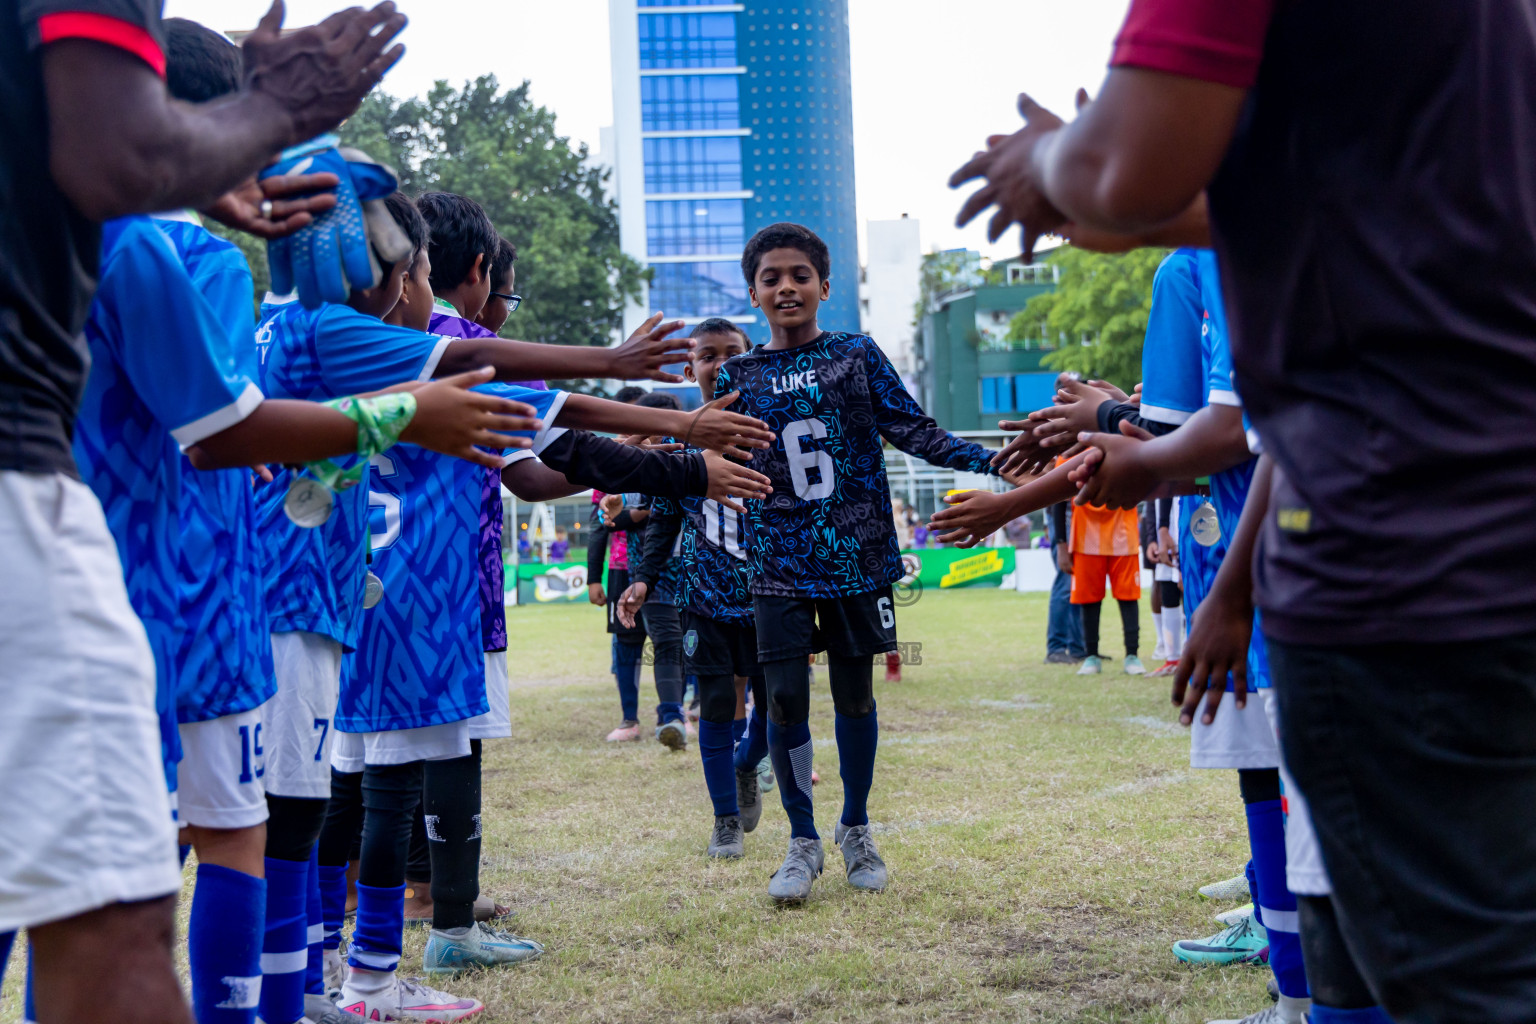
(1243, 942)
(479, 946)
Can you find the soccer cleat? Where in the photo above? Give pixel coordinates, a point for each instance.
(1234, 888)
(765, 779)
(725, 841)
(1133, 666)
(749, 799)
(1272, 989)
(624, 733)
(335, 971)
(865, 868)
(479, 946)
(1236, 914)
(1061, 658)
(1167, 668)
(404, 999)
(1245, 942)
(804, 861)
(1091, 666)
(320, 1009)
(1286, 1010)
(672, 735)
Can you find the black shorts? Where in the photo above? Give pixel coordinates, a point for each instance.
(662, 623)
(715, 648)
(618, 582)
(851, 627)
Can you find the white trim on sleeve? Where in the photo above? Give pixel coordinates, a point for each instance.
(1162, 414)
(545, 437)
(517, 455)
(1255, 445)
(1223, 396)
(220, 419)
(429, 368)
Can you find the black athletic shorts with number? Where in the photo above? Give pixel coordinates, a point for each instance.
(853, 626)
(715, 648)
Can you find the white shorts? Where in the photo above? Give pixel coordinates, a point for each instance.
(427, 743)
(219, 784)
(1305, 874)
(347, 753)
(495, 724)
(85, 820)
(1167, 573)
(1239, 738)
(296, 722)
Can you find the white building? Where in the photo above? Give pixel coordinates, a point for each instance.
(890, 290)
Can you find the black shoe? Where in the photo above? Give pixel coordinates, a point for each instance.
(725, 841)
(1061, 658)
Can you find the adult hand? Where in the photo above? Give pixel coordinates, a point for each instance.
(1064, 559)
(453, 420)
(318, 75)
(645, 352)
(296, 200)
(595, 594)
(1009, 167)
(629, 603)
(1113, 473)
(970, 518)
(731, 480)
(1217, 646)
(729, 433)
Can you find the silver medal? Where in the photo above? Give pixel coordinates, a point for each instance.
(308, 503)
(373, 591)
(1205, 525)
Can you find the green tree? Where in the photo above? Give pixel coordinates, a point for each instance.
(1097, 316)
(502, 150)
(942, 273)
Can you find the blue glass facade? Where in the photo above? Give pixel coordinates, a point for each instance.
(766, 88)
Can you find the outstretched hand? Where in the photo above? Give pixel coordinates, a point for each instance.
(970, 518)
(645, 352)
(731, 480)
(1008, 165)
(1113, 473)
(729, 433)
(1076, 411)
(297, 199)
(453, 420)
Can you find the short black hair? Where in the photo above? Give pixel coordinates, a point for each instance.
(719, 325)
(628, 393)
(200, 64)
(411, 222)
(460, 232)
(501, 267)
(659, 400)
(785, 236)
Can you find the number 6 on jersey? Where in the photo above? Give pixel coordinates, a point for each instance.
(801, 461)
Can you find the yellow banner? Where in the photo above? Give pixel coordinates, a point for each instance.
(964, 570)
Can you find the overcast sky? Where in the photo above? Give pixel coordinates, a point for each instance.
(931, 78)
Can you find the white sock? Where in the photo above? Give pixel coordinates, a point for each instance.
(363, 982)
(1173, 630)
(1160, 651)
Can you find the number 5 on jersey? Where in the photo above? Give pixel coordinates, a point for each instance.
(801, 461)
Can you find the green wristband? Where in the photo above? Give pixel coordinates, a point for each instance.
(380, 422)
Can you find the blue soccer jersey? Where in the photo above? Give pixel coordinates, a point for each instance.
(161, 377)
(1172, 387)
(316, 576)
(224, 658)
(826, 530)
(421, 657)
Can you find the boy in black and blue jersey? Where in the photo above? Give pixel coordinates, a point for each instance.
(822, 548)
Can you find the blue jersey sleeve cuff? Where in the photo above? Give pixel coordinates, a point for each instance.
(220, 419)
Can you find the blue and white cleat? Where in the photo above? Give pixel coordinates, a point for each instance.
(1234, 888)
(1244, 942)
(1236, 914)
(479, 946)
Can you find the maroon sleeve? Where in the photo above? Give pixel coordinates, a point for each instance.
(131, 25)
(1218, 41)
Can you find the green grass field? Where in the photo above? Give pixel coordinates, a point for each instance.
(1044, 833)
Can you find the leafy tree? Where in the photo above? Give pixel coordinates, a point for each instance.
(501, 150)
(1097, 315)
(944, 272)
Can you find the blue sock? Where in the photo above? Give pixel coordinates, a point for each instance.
(1328, 1015)
(626, 672)
(314, 972)
(7, 940)
(1273, 902)
(224, 938)
(380, 928)
(738, 730)
(184, 850)
(668, 713)
(285, 953)
(754, 745)
(790, 747)
(29, 1001)
(333, 902)
(857, 739)
(715, 747)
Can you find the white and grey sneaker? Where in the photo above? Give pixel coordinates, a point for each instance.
(335, 971)
(749, 799)
(320, 1010)
(804, 861)
(865, 868)
(1287, 1010)
(725, 841)
(1234, 888)
(672, 735)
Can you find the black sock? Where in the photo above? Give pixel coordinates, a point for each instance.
(1130, 618)
(1091, 614)
(453, 837)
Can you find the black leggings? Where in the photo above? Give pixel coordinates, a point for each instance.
(341, 838)
(293, 826)
(451, 803)
(1130, 618)
(789, 688)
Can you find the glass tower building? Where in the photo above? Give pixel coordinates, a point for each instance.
(727, 118)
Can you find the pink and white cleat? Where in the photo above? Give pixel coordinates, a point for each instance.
(624, 733)
(374, 995)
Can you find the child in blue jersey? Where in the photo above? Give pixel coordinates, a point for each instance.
(704, 541)
(822, 550)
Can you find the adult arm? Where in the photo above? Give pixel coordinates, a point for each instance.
(1120, 471)
(118, 144)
